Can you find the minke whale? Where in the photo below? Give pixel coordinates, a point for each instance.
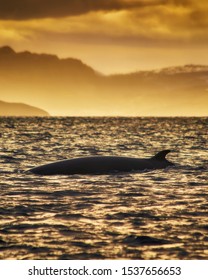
(103, 165)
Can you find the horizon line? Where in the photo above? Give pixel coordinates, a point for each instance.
(104, 116)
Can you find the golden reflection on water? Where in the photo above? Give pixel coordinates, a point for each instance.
(160, 214)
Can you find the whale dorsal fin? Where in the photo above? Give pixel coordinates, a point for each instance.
(161, 155)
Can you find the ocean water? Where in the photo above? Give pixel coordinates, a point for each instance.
(159, 214)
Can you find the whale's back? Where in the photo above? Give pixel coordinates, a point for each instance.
(102, 165)
(92, 165)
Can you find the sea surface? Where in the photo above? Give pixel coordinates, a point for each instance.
(159, 214)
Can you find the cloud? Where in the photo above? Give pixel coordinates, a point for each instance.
(134, 23)
(30, 9)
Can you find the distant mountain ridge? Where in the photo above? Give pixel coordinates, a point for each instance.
(70, 87)
(19, 109)
(10, 57)
(188, 68)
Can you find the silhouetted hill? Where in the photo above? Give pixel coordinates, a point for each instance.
(36, 64)
(19, 109)
(69, 87)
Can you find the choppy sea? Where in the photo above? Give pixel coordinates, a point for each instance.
(159, 214)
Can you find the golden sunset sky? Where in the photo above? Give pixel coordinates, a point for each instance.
(112, 36)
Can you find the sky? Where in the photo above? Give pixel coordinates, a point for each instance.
(112, 36)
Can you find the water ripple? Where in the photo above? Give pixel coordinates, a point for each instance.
(159, 214)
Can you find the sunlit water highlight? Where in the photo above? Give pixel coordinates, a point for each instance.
(161, 214)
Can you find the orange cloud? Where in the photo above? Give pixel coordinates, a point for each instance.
(161, 25)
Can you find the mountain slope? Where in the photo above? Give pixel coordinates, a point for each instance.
(19, 109)
(69, 87)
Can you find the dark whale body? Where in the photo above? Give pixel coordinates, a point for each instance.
(103, 165)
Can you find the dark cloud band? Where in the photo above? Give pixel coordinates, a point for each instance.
(29, 9)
